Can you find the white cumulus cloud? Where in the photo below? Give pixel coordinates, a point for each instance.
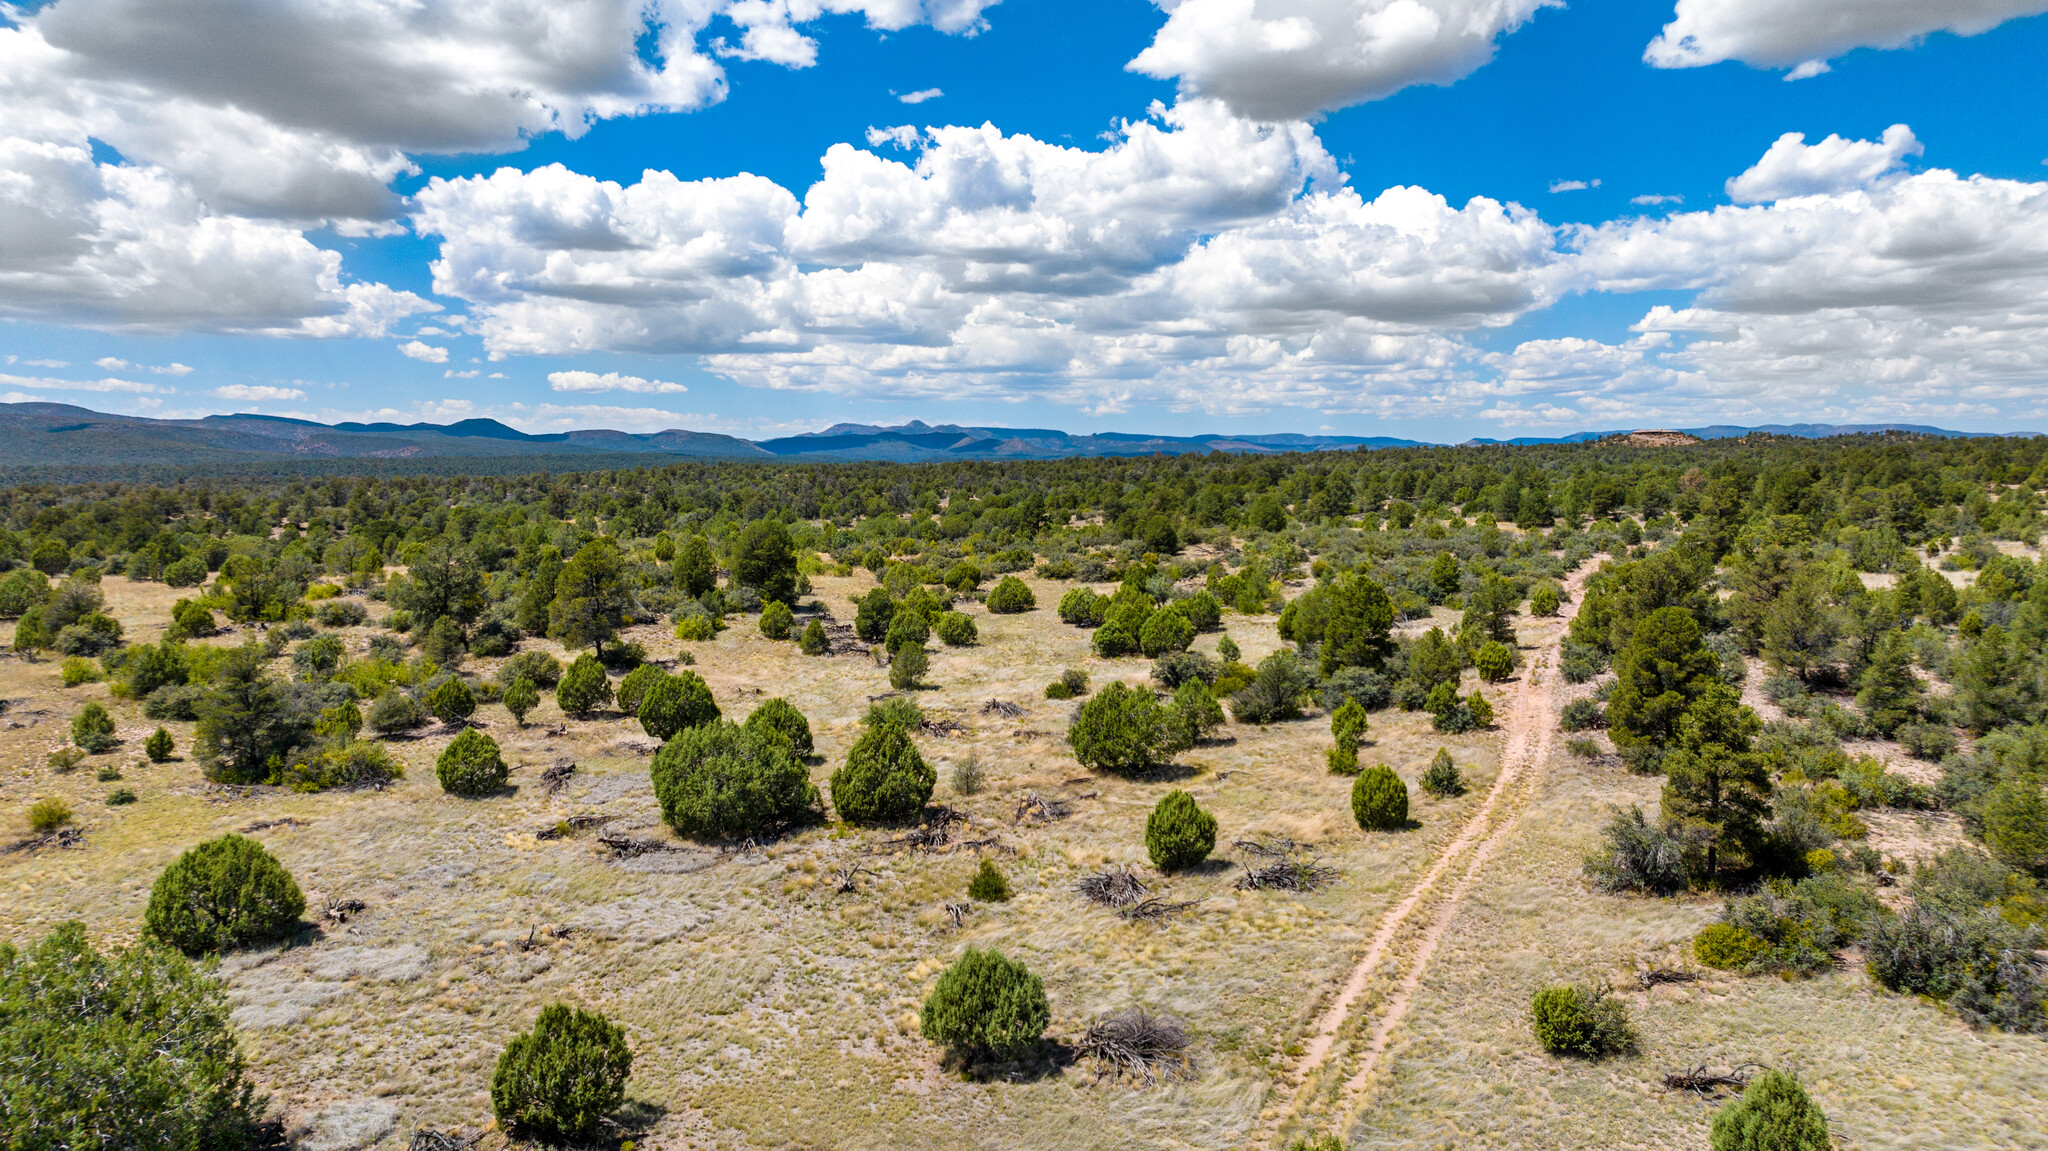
(920, 96)
(1287, 59)
(1792, 167)
(424, 352)
(251, 393)
(578, 381)
(1804, 34)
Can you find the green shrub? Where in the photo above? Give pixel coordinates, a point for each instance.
(1113, 640)
(584, 687)
(92, 729)
(1379, 800)
(675, 703)
(696, 628)
(1494, 660)
(814, 641)
(470, 765)
(988, 885)
(536, 667)
(632, 689)
(908, 663)
(884, 778)
(21, 590)
(121, 797)
(191, 619)
(1637, 856)
(781, 717)
(1275, 692)
(967, 776)
(347, 765)
(1010, 596)
(77, 670)
(908, 625)
(1441, 778)
(1342, 759)
(894, 711)
(722, 780)
(131, 1049)
(1192, 715)
(1072, 684)
(1581, 715)
(956, 629)
(777, 620)
(1081, 607)
(47, 815)
(65, 760)
(1774, 1114)
(1179, 834)
(1726, 946)
(561, 1080)
(1122, 730)
(1545, 600)
(521, 698)
(452, 702)
(395, 710)
(986, 1006)
(1178, 667)
(1348, 724)
(1587, 1022)
(224, 893)
(1166, 631)
(1803, 924)
(159, 746)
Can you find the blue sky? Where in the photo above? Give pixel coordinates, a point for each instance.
(1097, 216)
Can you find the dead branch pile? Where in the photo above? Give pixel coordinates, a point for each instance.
(1035, 806)
(1115, 886)
(1138, 1043)
(1028, 733)
(267, 824)
(1003, 708)
(1155, 909)
(1657, 975)
(1284, 866)
(846, 875)
(62, 837)
(556, 778)
(426, 1139)
(626, 847)
(338, 909)
(1700, 1081)
(840, 638)
(553, 730)
(943, 726)
(572, 824)
(938, 827)
(958, 912)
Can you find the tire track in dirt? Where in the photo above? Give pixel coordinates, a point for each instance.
(1530, 725)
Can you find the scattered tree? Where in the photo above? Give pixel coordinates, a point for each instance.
(884, 778)
(224, 893)
(1379, 800)
(584, 687)
(470, 765)
(720, 780)
(1179, 834)
(562, 1079)
(986, 1006)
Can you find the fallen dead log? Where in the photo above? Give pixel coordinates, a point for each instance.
(1003, 708)
(1115, 886)
(338, 909)
(1036, 807)
(556, 778)
(626, 847)
(1155, 909)
(572, 824)
(1656, 976)
(1701, 1081)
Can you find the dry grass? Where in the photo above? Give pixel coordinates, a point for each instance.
(770, 1009)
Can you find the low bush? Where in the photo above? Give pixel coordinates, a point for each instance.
(894, 711)
(1582, 715)
(1370, 690)
(1176, 668)
(159, 746)
(584, 687)
(696, 629)
(1275, 692)
(47, 815)
(1494, 660)
(1583, 748)
(1165, 631)
(1113, 640)
(1581, 662)
(1081, 607)
(632, 687)
(1636, 856)
(77, 670)
(562, 1079)
(1726, 947)
(1179, 834)
(342, 613)
(777, 620)
(1582, 1021)
(1983, 965)
(676, 703)
(1774, 1114)
(884, 778)
(1072, 684)
(1379, 800)
(721, 780)
(908, 663)
(956, 629)
(65, 760)
(521, 697)
(1441, 778)
(781, 717)
(1011, 595)
(452, 702)
(345, 766)
(395, 710)
(985, 1006)
(967, 776)
(121, 797)
(1122, 730)
(814, 641)
(988, 884)
(1802, 925)
(536, 667)
(224, 893)
(130, 1049)
(1928, 741)
(92, 729)
(1545, 600)
(470, 765)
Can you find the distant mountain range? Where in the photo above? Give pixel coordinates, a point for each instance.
(60, 435)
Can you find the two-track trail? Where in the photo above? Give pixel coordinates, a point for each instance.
(1350, 1037)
